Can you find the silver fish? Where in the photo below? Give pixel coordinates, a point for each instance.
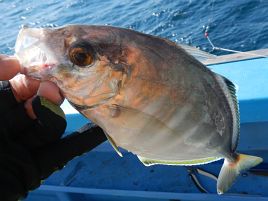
(148, 94)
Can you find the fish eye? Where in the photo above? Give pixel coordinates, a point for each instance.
(81, 54)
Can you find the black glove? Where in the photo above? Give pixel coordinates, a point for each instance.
(31, 150)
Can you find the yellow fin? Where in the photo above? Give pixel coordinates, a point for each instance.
(148, 162)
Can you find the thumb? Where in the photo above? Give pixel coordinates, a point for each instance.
(9, 67)
(47, 90)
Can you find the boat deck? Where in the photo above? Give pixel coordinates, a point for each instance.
(103, 175)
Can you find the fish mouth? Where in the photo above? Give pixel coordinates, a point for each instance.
(39, 71)
(34, 54)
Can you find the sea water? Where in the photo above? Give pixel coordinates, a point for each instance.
(238, 24)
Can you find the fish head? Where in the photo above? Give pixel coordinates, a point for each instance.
(88, 63)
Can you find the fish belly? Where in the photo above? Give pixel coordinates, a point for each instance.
(176, 138)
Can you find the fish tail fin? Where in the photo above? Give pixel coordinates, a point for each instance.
(231, 169)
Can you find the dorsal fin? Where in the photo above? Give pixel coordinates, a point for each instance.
(230, 91)
(197, 53)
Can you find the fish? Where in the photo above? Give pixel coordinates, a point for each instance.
(149, 95)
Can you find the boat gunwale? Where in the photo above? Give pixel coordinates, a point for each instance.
(255, 54)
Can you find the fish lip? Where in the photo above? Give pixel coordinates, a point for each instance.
(39, 71)
(31, 74)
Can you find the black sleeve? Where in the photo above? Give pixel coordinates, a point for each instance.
(18, 172)
(13, 117)
(17, 169)
(7, 99)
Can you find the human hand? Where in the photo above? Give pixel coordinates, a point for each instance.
(31, 127)
(25, 88)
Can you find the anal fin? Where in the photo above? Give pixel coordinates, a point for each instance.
(149, 162)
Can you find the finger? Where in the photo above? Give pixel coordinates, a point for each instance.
(29, 108)
(24, 87)
(51, 92)
(9, 67)
(47, 90)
